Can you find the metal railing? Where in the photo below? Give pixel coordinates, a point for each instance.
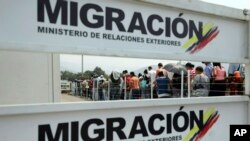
(107, 90)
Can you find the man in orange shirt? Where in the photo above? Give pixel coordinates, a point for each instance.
(134, 85)
(125, 87)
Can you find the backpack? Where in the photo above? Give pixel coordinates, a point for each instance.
(237, 76)
(113, 80)
(143, 84)
(176, 81)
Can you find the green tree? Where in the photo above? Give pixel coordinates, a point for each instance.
(98, 71)
(79, 75)
(88, 74)
(67, 75)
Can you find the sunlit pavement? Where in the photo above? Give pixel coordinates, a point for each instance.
(70, 98)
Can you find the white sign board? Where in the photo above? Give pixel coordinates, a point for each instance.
(203, 121)
(119, 28)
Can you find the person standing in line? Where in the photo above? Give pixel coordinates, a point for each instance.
(115, 81)
(134, 85)
(91, 87)
(100, 81)
(219, 85)
(95, 87)
(208, 71)
(190, 73)
(232, 68)
(152, 74)
(159, 69)
(235, 79)
(190, 68)
(84, 87)
(125, 84)
(200, 83)
(144, 83)
(162, 85)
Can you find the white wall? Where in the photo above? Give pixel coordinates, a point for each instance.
(27, 77)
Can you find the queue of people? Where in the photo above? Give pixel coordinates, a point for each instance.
(212, 80)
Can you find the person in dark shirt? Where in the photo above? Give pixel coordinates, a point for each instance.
(162, 84)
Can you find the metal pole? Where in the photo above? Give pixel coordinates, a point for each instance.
(93, 90)
(97, 89)
(189, 85)
(182, 83)
(108, 89)
(151, 87)
(125, 89)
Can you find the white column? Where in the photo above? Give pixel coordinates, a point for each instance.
(247, 67)
(56, 79)
(247, 74)
(82, 65)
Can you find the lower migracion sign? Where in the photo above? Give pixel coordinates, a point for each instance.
(172, 126)
(122, 121)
